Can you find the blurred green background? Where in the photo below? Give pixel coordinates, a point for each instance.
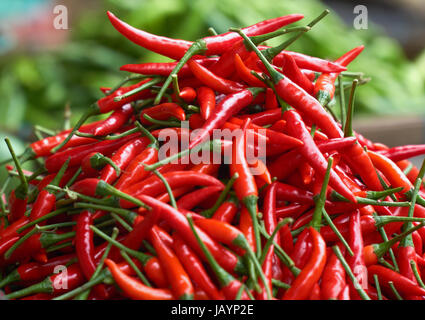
(43, 69)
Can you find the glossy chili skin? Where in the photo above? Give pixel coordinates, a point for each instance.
(245, 73)
(324, 88)
(206, 100)
(356, 262)
(154, 186)
(403, 285)
(181, 284)
(164, 68)
(178, 222)
(77, 154)
(122, 158)
(213, 81)
(114, 122)
(194, 267)
(227, 108)
(293, 72)
(312, 154)
(17, 206)
(134, 288)
(191, 200)
(227, 211)
(310, 274)
(176, 49)
(163, 111)
(333, 279)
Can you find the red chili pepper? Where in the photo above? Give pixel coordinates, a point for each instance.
(114, 122)
(245, 73)
(134, 288)
(181, 284)
(163, 111)
(194, 267)
(188, 94)
(77, 154)
(154, 186)
(34, 271)
(333, 278)
(312, 272)
(177, 220)
(304, 61)
(176, 49)
(403, 285)
(206, 100)
(404, 152)
(356, 262)
(299, 98)
(293, 72)
(390, 170)
(122, 158)
(165, 68)
(324, 87)
(191, 200)
(45, 201)
(213, 81)
(271, 101)
(227, 211)
(17, 205)
(227, 108)
(312, 154)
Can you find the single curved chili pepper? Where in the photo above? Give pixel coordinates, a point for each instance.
(227, 108)
(209, 79)
(206, 100)
(293, 72)
(178, 222)
(403, 285)
(165, 68)
(304, 61)
(34, 271)
(179, 280)
(163, 111)
(176, 49)
(311, 273)
(333, 278)
(356, 262)
(286, 239)
(229, 285)
(154, 186)
(194, 267)
(404, 152)
(114, 121)
(84, 248)
(77, 154)
(324, 87)
(312, 153)
(134, 288)
(390, 170)
(245, 73)
(298, 98)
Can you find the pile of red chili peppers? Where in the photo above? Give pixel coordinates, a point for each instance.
(108, 215)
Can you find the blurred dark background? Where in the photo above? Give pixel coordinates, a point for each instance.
(43, 69)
